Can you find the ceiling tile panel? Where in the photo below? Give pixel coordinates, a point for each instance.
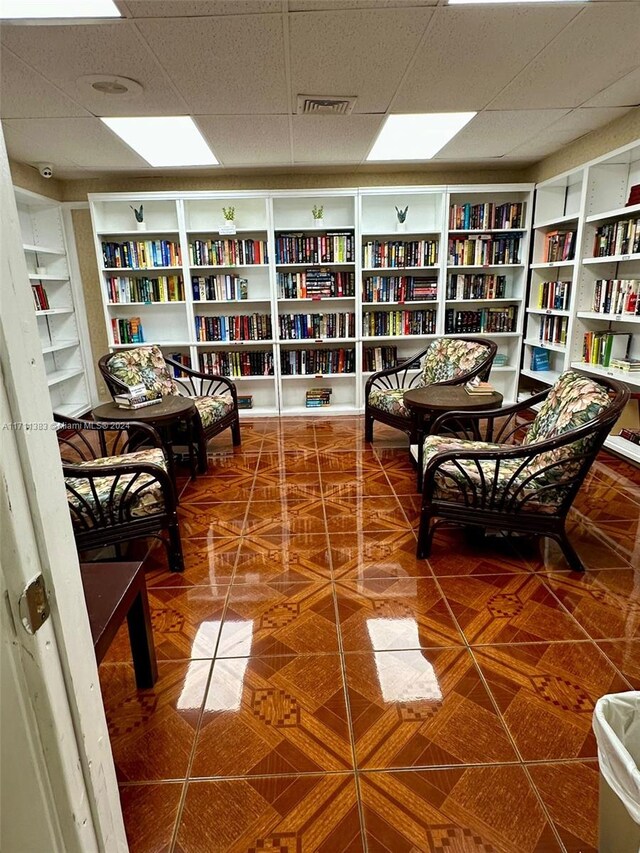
(599, 46)
(194, 8)
(336, 5)
(64, 53)
(26, 94)
(333, 139)
(471, 53)
(84, 142)
(227, 65)
(248, 140)
(583, 120)
(354, 53)
(624, 92)
(495, 133)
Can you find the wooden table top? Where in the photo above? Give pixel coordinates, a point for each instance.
(172, 406)
(443, 398)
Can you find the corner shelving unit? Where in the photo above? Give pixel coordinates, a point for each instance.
(58, 303)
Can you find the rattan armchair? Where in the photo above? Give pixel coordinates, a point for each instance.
(524, 475)
(119, 486)
(215, 396)
(446, 361)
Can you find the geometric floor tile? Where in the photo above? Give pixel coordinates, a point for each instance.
(546, 694)
(284, 557)
(468, 809)
(288, 814)
(387, 554)
(422, 708)
(274, 715)
(625, 656)
(569, 791)
(150, 813)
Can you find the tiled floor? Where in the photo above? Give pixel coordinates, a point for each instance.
(321, 689)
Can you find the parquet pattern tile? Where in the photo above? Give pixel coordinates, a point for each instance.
(321, 690)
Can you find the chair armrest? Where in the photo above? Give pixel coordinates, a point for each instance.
(125, 436)
(209, 383)
(467, 421)
(393, 371)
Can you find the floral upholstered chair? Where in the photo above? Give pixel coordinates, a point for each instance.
(119, 486)
(446, 361)
(215, 397)
(524, 476)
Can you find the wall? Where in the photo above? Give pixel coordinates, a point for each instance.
(30, 178)
(614, 135)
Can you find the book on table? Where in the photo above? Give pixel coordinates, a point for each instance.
(136, 397)
(479, 388)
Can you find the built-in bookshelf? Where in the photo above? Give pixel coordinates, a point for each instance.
(290, 303)
(57, 301)
(593, 293)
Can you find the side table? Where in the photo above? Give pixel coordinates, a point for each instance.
(163, 416)
(426, 403)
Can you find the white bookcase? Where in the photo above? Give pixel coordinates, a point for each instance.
(274, 288)
(583, 200)
(58, 302)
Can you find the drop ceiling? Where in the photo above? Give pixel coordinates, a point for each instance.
(538, 75)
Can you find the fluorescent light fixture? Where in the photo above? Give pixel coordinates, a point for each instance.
(513, 2)
(26, 9)
(417, 136)
(164, 140)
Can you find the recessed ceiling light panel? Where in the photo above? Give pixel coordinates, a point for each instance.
(417, 136)
(53, 9)
(164, 140)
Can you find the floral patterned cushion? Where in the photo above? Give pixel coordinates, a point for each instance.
(572, 401)
(448, 358)
(515, 486)
(144, 497)
(390, 401)
(143, 365)
(213, 408)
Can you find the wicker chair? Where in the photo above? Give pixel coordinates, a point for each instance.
(215, 396)
(446, 361)
(118, 486)
(524, 476)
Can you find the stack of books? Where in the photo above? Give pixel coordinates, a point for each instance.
(634, 195)
(631, 435)
(245, 401)
(477, 388)
(631, 365)
(318, 397)
(136, 397)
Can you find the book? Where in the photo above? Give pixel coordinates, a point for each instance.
(138, 403)
(479, 388)
(631, 435)
(245, 401)
(539, 359)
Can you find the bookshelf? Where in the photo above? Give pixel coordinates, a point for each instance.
(58, 302)
(590, 200)
(309, 305)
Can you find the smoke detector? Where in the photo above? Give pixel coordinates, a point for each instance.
(330, 105)
(109, 87)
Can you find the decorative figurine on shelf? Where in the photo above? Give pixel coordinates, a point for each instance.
(229, 226)
(402, 217)
(140, 223)
(318, 216)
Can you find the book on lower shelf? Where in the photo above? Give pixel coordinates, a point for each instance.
(245, 401)
(318, 397)
(616, 296)
(127, 331)
(631, 365)
(40, 297)
(539, 359)
(632, 435)
(602, 347)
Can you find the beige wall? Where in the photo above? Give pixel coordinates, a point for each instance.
(30, 179)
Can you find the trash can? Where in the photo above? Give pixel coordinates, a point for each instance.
(616, 723)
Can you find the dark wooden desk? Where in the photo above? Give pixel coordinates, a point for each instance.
(114, 591)
(163, 416)
(426, 403)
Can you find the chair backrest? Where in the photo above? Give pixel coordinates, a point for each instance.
(456, 358)
(141, 365)
(573, 401)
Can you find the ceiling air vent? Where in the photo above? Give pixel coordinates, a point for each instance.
(320, 105)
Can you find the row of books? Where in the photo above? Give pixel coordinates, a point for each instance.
(335, 247)
(477, 286)
(487, 215)
(127, 331)
(163, 288)
(244, 327)
(315, 283)
(318, 397)
(311, 362)
(616, 296)
(245, 363)
(603, 348)
(400, 253)
(307, 326)
(559, 246)
(618, 238)
(396, 323)
(218, 288)
(553, 330)
(483, 250)
(379, 358)
(40, 298)
(181, 357)
(483, 320)
(632, 435)
(384, 288)
(224, 253)
(553, 295)
(141, 254)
